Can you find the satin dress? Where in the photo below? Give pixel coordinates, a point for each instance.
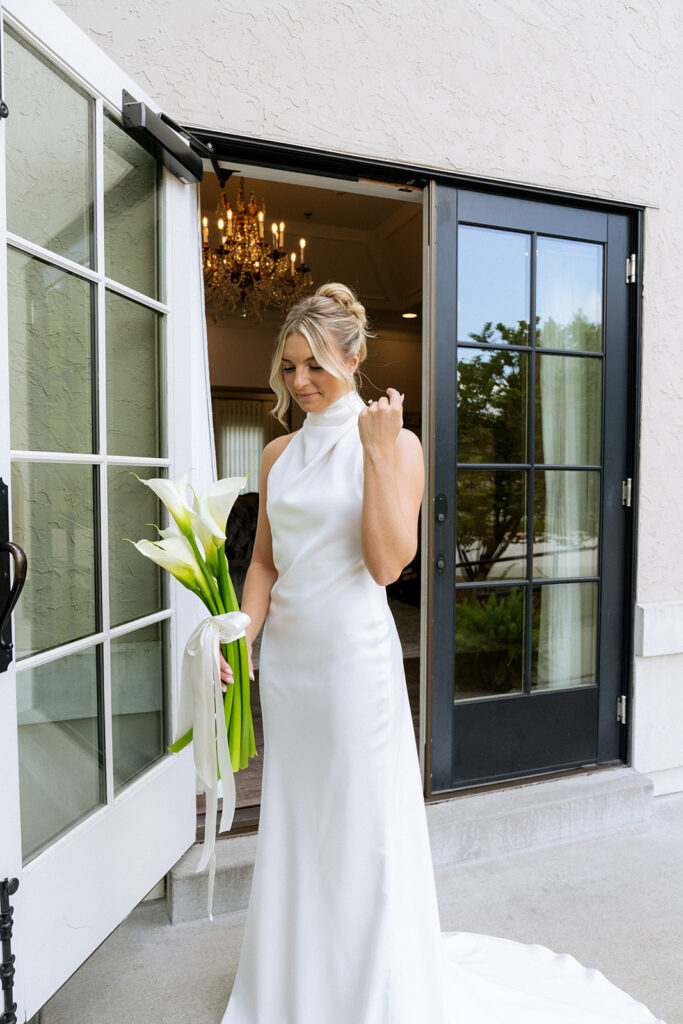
(343, 924)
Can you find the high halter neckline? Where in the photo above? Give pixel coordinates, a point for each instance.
(343, 410)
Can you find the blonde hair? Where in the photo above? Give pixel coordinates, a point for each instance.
(334, 324)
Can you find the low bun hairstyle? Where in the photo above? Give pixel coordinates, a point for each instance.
(334, 323)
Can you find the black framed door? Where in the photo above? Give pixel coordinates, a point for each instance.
(533, 432)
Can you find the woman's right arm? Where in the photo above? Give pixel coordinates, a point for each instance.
(261, 574)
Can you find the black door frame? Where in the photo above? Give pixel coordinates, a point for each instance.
(548, 730)
(284, 156)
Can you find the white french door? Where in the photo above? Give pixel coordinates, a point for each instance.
(93, 385)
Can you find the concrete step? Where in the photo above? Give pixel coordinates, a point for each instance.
(467, 827)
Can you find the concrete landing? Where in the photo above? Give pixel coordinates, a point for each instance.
(614, 902)
(462, 829)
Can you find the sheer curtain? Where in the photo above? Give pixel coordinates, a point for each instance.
(242, 428)
(567, 613)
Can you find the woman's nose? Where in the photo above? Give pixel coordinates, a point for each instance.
(300, 378)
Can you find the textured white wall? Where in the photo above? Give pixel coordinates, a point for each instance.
(582, 96)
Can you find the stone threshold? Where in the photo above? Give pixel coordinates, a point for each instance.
(469, 826)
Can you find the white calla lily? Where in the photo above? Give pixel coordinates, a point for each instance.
(215, 504)
(203, 533)
(174, 554)
(173, 493)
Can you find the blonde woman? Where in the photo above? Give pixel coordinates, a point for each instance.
(343, 924)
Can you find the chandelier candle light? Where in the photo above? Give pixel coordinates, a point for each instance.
(220, 725)
(245, 271)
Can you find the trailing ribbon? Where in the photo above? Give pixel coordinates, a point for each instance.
(201, 709)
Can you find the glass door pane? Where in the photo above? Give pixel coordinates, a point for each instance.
(53, 512)
(138, 664)
(134, 378)
(132, 221)
(136, 585)
(569, 294)
(51, 342)
(61, 747)
(49, 154)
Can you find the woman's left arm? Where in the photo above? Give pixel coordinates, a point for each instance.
(392, 489)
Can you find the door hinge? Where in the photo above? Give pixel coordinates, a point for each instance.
(631, 269)
(621, 709)
(626, 492)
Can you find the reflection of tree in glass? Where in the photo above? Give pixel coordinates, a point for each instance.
(490, 518)
(492, 428)
(492, 398)
(580, 334)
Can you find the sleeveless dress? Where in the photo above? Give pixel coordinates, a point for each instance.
(343, 925)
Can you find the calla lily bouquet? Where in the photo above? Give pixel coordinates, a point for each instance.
(192, 549)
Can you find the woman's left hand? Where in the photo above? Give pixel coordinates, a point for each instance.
(379, 424)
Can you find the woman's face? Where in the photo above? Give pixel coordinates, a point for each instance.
(311, 386)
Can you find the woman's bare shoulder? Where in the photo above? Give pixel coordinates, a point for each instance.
(275, 448)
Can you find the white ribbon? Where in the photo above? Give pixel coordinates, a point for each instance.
(201, 709)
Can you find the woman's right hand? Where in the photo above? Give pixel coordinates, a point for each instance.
(226, 672)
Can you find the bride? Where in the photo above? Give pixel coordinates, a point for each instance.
(343, 924)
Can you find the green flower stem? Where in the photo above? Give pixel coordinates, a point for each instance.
(231, 596)
(232, 658)
(247, 742)
(207, 574)
(204, 592)
(182, 742)
(234, 738)
(252, 738)
(228, 697)
(246, 710)
(225, 583)
(232, 706)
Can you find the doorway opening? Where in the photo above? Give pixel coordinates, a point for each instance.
(370, 236)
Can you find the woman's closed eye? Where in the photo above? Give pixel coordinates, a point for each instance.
(286, 369)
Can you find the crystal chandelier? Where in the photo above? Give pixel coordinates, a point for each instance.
(245, 272)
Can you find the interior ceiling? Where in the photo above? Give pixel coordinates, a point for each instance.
(371, 243)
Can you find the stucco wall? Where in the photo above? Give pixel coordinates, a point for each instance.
(582, 96)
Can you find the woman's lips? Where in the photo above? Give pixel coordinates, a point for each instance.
(308, 394)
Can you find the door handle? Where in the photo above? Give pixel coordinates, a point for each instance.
(13, 592)
(20, 563)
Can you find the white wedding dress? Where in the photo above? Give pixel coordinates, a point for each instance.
(343, 924)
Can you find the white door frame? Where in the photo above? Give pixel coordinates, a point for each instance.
(80, 888)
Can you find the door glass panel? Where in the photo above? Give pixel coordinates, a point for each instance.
(493, 285)
(50, 350)
(568, 409)
(491, 525)
(137, 693)
(135, 582)
(61, 778)
(48, 154)
(53, 507)
(564, 635)
(133, 378)
(569, 294)
(567, 511)
(131, 212)
(492, 405)
(489, 641)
